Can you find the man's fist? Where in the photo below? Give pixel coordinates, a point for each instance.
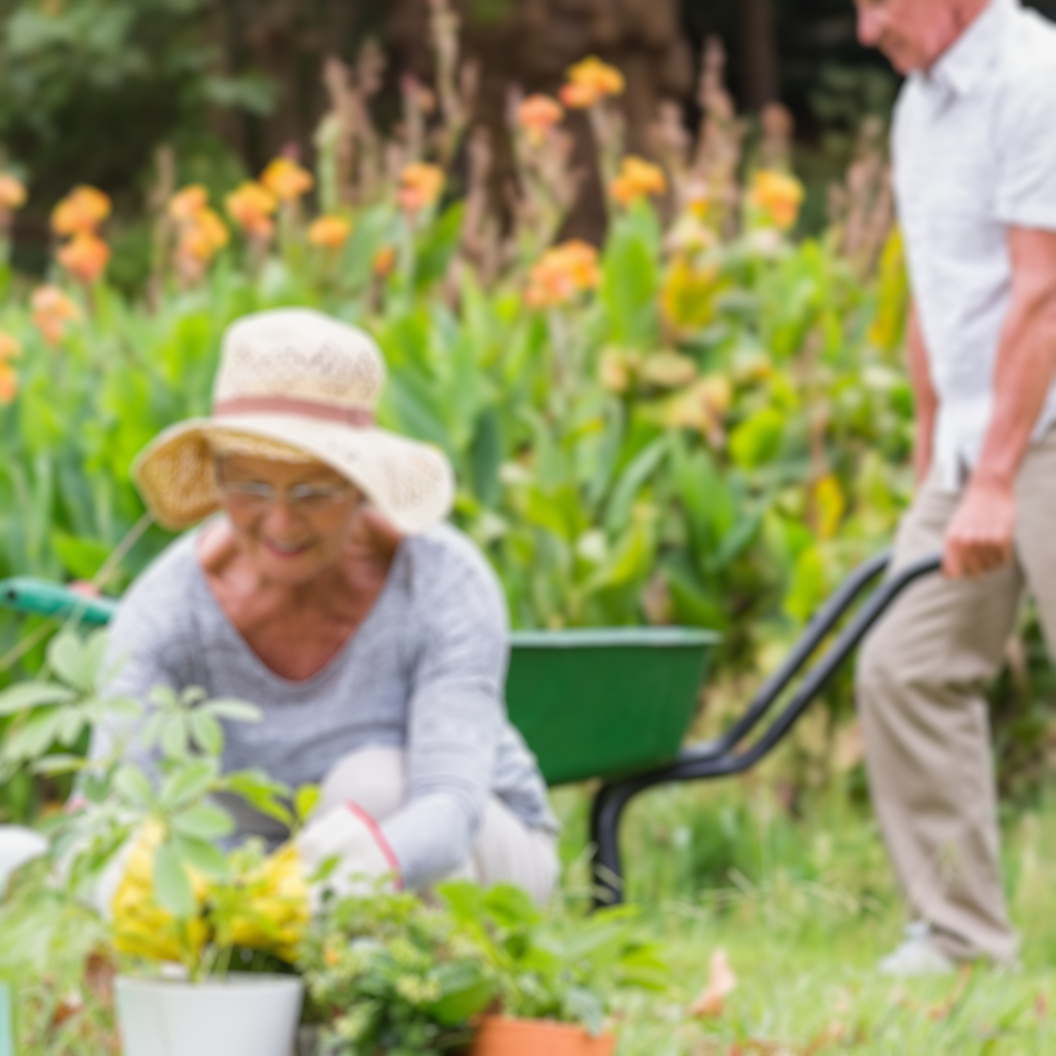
(979, 538)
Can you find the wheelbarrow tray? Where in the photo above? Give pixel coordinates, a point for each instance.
(606, 703)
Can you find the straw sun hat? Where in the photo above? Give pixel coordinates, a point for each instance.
(296, 385)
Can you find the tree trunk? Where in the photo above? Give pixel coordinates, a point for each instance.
(760, 72)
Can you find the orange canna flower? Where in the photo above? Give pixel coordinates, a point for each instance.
(52, 310)
(420, 186)
(85, 257)
(384, 261)
(8, 384)
(777, 196)
(563, 272)
(188, 203)
(12, 193)
(80, 212)
(589, 82)
(251, 206)
(286, 179)
(637, 179)
(10, 347)
(203, 238)
(329, 232)
(538, 114)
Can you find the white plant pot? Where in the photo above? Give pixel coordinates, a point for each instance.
(243, 1015)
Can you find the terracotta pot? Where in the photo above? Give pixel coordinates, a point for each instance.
(501, 1036)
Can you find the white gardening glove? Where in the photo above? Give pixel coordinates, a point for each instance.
(350, 836)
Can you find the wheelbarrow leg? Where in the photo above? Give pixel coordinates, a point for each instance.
(605, 816)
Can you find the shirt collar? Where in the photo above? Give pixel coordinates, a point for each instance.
(965, 63)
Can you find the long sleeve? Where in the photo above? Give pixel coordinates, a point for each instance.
(456, 715)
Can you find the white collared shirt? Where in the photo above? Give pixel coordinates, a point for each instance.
(974, 144)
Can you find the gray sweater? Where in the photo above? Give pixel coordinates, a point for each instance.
(425, 671)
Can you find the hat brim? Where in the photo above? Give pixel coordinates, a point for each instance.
(411, 484)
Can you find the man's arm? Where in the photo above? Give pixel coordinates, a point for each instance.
(927, 403)
(979, 537)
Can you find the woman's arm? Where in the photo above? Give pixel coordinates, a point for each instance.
(455, 718)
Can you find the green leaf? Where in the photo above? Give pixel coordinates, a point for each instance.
(53, 765)
(207, 732)
(757, 440)
(133, 784)
(35, 736)
(466, 992)
(306, 800)
(164, 697)
(69, 659)
(26, 695)
(201, 855)
(174, 737)
(82, 557)
(233, 710)
(190, 782)
(632, 480)
(203, 821)
(171, 885)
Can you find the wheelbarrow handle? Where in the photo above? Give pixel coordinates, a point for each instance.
(720, 758)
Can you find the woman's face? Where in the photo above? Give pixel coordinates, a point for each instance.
(291, 519)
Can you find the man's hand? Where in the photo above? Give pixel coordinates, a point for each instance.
(979, 538)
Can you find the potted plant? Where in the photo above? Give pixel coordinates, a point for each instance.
(555, 978)
(391, 973)
(178, 912)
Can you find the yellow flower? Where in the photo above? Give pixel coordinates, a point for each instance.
(637, 179)
(85, 256)
(285, 179)
(8, 384)
(538, 114)
(52, 310)
(80, 212)
(777, 196)
(12, 193)
(563, 272)
(420, 186)
(330, 232)
(589, 82)
(10, 348)
(188, 203)
(203, 238)
(687, 297)
(251, 206)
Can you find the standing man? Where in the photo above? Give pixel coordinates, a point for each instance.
(974, 144)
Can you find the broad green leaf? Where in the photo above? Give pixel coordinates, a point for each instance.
(203, 821)
(26, 695)
(54, 765)
(174, 737)
(207, 731)
(233, 710)
(306, 800)
(201, 855)
(35, 736)
(191, 781)
(69, 659)
(171, 885)
(132, 783)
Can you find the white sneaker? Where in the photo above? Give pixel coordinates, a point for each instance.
(917, 955)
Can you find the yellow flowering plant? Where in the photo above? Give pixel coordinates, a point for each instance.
(146, 848)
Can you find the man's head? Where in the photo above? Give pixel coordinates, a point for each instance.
(913, 34)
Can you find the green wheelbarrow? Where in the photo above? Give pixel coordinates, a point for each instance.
(615, 704)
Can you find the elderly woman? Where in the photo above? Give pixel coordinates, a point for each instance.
(328, 592)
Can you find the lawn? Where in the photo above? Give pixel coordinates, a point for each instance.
(804, 909)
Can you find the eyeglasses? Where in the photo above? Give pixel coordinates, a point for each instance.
(257, 495)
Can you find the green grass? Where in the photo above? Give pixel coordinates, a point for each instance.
(804, 909)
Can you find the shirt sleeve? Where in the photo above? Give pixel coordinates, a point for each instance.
(1026, 193)
(148, 644)
(455, 718)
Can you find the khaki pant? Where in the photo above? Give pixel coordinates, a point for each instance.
(920, 683)
(505, 850)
